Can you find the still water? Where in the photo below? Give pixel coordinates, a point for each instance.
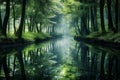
(62, 59)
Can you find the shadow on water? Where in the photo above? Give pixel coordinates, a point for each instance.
(98, 63)
(62, 59)
(8, 63)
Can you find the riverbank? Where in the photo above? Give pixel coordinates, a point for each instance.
(27, 38)
(107, 39)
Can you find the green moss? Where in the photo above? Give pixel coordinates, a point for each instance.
(30, 36)
(108, 36)
(94, 34)
(27, 36)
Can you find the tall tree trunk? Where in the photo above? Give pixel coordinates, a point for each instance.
(53, 29)
(77, 26)
(95, 17)
(7, 14)
(88, 19)
(0, 22)
(24, 26)
(13, 8)
(37, 27)
(119, 17)
(110, 22)
(8, 27)
(84, 30)
(116, 15)
(102, 3)
(30, 24)
(92, 19)
(19, 31)
(41, 27)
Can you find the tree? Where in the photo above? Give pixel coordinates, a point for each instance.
(0, 22)
(93, 10)
(116, 15)
(84, 28)
(13, 8)
(5, 22)
(110, 22)
(19, 31)
(102, 3)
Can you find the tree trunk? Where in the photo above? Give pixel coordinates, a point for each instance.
(24, 26)
(13, 8)
(19, 31)
(116, 15)
(41, 27)
(53, 29)
(84, 30)
(30, 24)
(95, 17)
(102, 3)
(8, 27)
(77, 26)
(7, 14)
(0, 22)
(37, 27)
(110, 22)
(92, 20)
(88, 19)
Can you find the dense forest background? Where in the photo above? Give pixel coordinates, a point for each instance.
(48, 16)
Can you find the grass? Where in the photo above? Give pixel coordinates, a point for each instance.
(27, 36)
(30, 36)
(108, 36)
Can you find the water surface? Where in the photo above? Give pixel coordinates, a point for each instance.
(62, 59)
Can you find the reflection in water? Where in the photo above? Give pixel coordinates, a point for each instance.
(62, 59)
(3, 64)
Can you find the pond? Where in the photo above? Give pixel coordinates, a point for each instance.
(61, 59)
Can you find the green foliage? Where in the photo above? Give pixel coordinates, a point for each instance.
(30, 36)
(71, 7)
(108, 36)
(95, 34)
(65, 72)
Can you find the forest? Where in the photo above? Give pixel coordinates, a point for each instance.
(19, 18)
(59, 39)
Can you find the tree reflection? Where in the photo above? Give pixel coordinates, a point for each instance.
(102, 71)
(96, 64)
(39, 63)
(21, 63)
(56, 61)
(112, 67)
(3, 64)
(87, 62)
(32, 64)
